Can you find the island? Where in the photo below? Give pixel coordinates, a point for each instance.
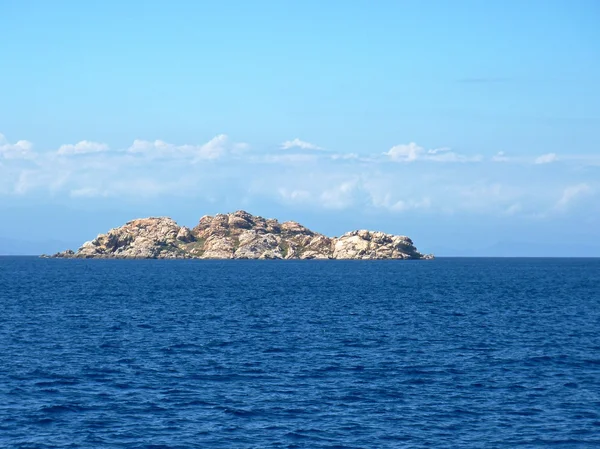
(239, 235)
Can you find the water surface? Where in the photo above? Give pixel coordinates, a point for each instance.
(477, 353)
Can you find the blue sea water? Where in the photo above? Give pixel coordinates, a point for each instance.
(474, 353)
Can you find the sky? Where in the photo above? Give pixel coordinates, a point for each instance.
(473, 127)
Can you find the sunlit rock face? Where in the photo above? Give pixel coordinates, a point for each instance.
(374, 245)
(239, 235)
(146, 238)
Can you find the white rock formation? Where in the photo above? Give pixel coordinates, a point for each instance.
(240, 235)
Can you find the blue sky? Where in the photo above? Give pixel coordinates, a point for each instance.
(470, 126)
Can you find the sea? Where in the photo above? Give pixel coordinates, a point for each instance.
(448, 353)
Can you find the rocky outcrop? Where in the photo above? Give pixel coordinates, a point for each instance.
(374, 245)
(146, 238)
(239, 235)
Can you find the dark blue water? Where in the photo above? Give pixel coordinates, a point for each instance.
(299, 354)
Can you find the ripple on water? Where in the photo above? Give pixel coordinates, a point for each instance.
(178, 354)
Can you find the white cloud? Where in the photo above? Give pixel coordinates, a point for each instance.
(546, 158)
(500, 157)
(287, 158)
(23, 184)
(403, 205)
(294, 195)
(450, 156)
(239, 147)
(215, 148)
(438, 150)
(297, 143)
(145, 169)
(143, 146)
(49, 178)
(306, 179)
(483, 197)
(412, 152)
(83, 147)
(87, 192)
(405, 153)
(570, 194)
(20, 150)
(333, 190)
(344, 156)
(137, 185)
(381, 193)
(299, 158)
(340, 196)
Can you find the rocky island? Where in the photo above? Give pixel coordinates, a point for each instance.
(239, 235)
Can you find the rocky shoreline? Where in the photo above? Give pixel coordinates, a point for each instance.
(239, 235)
